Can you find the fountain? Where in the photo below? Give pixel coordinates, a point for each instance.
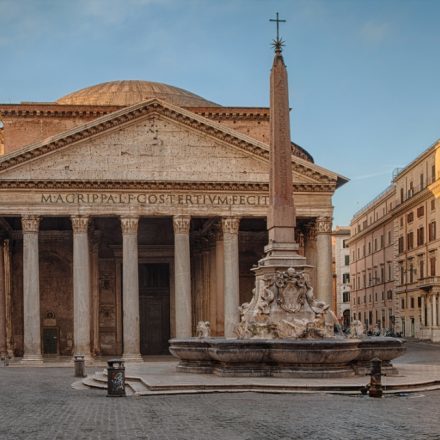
(284, 330)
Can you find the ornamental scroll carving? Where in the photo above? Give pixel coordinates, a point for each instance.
(324, 225)
(129, 225)
(284, 306)
(230, 225)
(79, 224)
(30, 223)
(181, 224)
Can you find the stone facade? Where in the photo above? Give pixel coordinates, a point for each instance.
(138, 222)
(393, 246)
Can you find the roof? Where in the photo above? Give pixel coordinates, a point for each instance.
(129, 92)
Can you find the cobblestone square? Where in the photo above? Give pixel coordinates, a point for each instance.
(39, 403)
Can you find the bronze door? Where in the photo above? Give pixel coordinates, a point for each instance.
(50, 340)
(154, 305)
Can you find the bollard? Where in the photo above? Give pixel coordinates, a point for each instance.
(79, 365)
(375, 388)
(115, 378)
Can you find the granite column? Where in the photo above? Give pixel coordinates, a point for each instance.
(81, 287)
(182, 275)
(31, 291)
(324, 259)
(3, 345)
(130, 289)
(230, 226)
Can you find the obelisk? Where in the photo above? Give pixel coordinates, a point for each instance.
(281, 250)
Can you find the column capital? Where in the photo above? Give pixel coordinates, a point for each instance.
(79, 223)
(324, 225)
(30, 223)
(129, 224)
(230, 225)
(181, 224)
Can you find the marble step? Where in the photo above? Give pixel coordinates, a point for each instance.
(99, 381)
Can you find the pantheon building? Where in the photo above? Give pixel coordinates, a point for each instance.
(131, 210)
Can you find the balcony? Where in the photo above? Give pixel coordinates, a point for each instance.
(428, 283)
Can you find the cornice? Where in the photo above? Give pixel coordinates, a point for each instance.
(380, 223)
(413, 201)
(156, 185)
(54, 110)
(184, 117)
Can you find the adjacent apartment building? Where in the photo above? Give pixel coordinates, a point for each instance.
(394, 248)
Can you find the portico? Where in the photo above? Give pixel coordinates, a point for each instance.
(128, 230)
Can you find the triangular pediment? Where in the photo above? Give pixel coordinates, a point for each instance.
(150, 142)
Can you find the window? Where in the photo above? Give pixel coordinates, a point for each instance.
(402, 303)
(345, 278)
(420, 211)
(422, 183)
(421, 269)
(382, 273)
(412, 302)
(400, 245)
(389, 237)
(389, 294)
(369, 248)
(432, 231)
(346, 297)
(347, 260)
(402, 274)
(433, 172)
(401, 195)
(363, 250)
(410, 217)
(344, 244)
(419, 302)
(410, 240)
(382, 242)
(420, 236)
(401, 222)
(411, 273)
(432, 264)
(433, 205)
(411, 189)
(389, 271)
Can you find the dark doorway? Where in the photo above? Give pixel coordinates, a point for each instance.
(154, 305)
(50, 340)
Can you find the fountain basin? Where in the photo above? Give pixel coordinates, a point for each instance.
(320, 358)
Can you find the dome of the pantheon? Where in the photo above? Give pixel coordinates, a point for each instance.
(125, 93)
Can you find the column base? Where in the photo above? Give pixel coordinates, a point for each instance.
(132, 357)
(32, 359)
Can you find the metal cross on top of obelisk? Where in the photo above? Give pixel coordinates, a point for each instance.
(278, 43)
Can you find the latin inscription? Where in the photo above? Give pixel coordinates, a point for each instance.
(154, 199)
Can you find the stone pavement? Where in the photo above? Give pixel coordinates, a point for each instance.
(39, 403)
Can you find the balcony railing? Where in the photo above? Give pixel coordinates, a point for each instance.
(428, 283)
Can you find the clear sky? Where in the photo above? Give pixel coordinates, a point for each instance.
(364, 75)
